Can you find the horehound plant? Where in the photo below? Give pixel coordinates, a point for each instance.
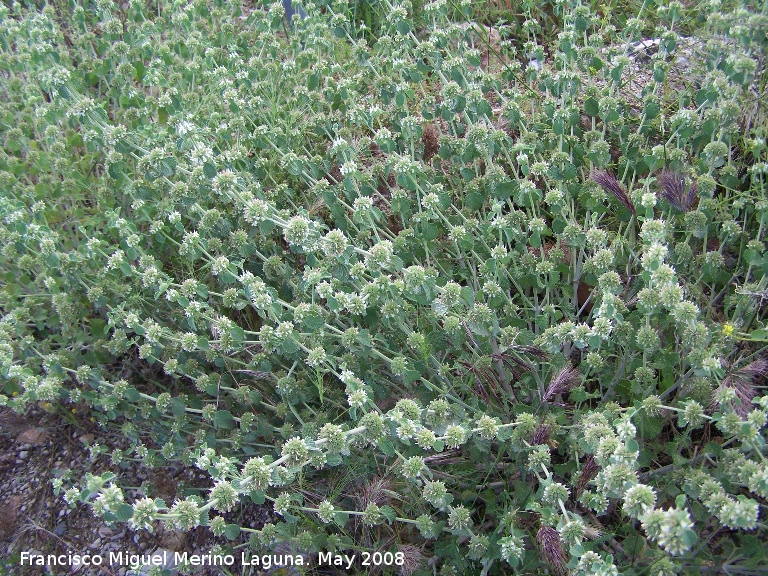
(461, 301)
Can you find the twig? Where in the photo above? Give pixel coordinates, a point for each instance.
(501, 370)
(612, 541)
(30, 523)
(675, 386)
(619, 373)
(664, 469)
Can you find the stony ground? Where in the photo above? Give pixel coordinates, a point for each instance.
(38, 446)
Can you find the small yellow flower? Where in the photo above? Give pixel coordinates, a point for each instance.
(728, 329)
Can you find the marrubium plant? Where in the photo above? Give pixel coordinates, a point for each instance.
(492, 298)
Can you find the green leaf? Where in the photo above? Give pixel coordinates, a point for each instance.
(313, 322)
(386, 447)
(468, 296)
(759, 334)
(223, 419)
(319, 384)
(389, 513)
(98, 327)
(139, 68)
(397, 263)
(231, 531)
(237, 333)
(168, 166)
(591, 107)
(333, 459)
(474, 201)
(650, 426)
(124, 512)
(364, 338)
(340, 518)
(258, 497)
(209, 170)
(430, 231)
(115, 170)
(178, 406)
(689, 538)
(289, 346)
(407, 181)
(651, 110)
(410, 376)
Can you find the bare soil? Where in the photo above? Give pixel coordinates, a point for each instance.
(39, 446)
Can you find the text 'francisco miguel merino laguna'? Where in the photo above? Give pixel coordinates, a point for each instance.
(160, 558)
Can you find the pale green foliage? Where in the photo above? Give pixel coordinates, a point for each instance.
(425, 285)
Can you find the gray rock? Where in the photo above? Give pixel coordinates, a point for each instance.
(168, 564)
